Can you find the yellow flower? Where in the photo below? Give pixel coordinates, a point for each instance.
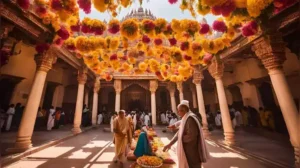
(230, 32)
(201, 9)
(184, 71)
(104, 65)
(130, 29)
(240, 3)
(212, 3)
(125, 3)
(184, 5)
(114, 43)
(143, 66)
(173, 78)
(100, 5)
(254, 7)
(105, 56)
(219, 44)
(190, 26)
(176, 26)
(131, 60)
(126, 66)
(160, 25)
(115, 65)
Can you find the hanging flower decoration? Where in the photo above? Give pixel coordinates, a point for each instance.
(114, 26)
(63, 33)
(172, 1)
(219, 25)
(249, 29)
(160, 25)
(24, 4)
(129, 29)
(85, 5)
(146, 39)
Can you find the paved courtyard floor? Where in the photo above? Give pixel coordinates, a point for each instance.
(94, 149)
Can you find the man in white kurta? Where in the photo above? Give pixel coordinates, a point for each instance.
(50, 123)
(147, 120)
(10, 112)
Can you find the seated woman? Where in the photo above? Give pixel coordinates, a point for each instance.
(143, 146)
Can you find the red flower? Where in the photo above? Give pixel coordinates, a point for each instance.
(149, 25)
(85, 5)
(75, 28)
(63, 33)
(158, 41)
(41, 48)
(41, 10)
(249, 28)
(186, 57)
(114, 29)
(56, 5)
(219, 26)
(184, 45)
(97, 31)
(216, 10)
(124, 58)
(204, 28)
(207, 58)
(227, 8)
(59, 41)
(146, 39)
(71, 47)
(172, 1)
(113, 57)
(24, 4)
(172, 41)
(85, 29)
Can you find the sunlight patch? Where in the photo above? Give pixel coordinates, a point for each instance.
(106, 157)
(226, 155)
(100, 165)
(27, 163)
(80, 154)
(96, 144)
(52, 152)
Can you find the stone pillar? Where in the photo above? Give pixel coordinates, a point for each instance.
(118, 88)
(171, 88)
(44, 64)
(58, 96)
(197, 78)
(86, 97)
(216, 70)
(82, 77)
(153, 87)
(180, 89)
(95, 101)
(194, 95)
(271, 51)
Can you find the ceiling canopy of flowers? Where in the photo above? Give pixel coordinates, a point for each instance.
(170, 50)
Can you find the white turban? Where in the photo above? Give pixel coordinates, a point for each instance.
(184, 102)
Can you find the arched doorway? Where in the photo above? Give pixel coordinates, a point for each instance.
(237, 100)
(135, 97)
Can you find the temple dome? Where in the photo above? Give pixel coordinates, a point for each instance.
(140, 14)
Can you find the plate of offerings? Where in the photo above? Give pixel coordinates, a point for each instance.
(149, 162)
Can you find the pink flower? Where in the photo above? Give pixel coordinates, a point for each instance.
(249, 29)
(207, 58)
(184, 46)
(97, 31)
(85, 5)
(24, 4)
(63, 33)
(75, 28)
(41, 10)
(204, 28)
(172, 1)
(172, 41)
(146, 39)
(41, 48)
(56, 5)
(227, 8)
(114, 29)
(219, 26)
(216, 10)
(158, 41)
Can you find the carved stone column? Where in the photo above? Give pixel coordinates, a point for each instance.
(171, 88)
(118, 89)
(153, 87)
(271, 51)
(194, 96)
(216, 70)
(197, 78)
(82, 78)
(95, 101)
(180, 89)
(44, 64)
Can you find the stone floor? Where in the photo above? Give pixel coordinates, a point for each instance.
(94, 149)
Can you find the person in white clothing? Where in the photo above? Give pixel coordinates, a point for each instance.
(238, 117)
(218, 120)
(163, 118)
(112, 121)
(51, 118)
(10, 112)
(100, 118)
(147, 120)
(134, 120)
(173, 120)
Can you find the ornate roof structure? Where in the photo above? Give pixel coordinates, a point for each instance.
(139, 14)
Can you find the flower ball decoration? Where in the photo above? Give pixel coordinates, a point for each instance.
(130, 29)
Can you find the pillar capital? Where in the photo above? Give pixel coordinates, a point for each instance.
(179, 86)
(216, 69)
(82, 77)
(153, 86)
(44, 61)
(270, 50)
(171, 87)
(97, 85)
(118, 85)
(197, 77)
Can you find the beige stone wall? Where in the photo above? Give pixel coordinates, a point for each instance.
(22, 65)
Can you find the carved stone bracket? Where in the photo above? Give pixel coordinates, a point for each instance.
(97, 85)
(270, 50)
(118, 86)
(44, 61)
(171, 88)
(179, 87)
(197, 77)
(153, 86)
(216, 69)
(82, 77)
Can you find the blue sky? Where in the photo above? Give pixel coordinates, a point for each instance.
(159, 8)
